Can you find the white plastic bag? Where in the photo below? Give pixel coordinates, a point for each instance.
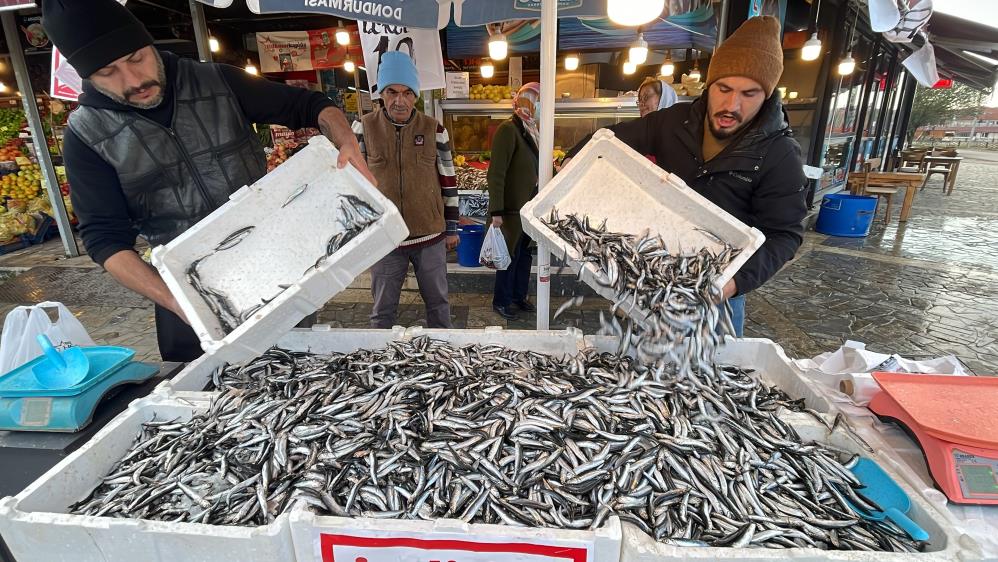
(18, 345)
(495, 254)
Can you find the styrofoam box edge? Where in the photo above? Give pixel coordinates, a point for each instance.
(605, 145)
(34, 524)
(312, 291)
(322, 339)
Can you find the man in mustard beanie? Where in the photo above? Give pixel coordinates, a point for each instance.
(734, 146)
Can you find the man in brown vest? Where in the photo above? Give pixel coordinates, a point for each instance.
(409, 153)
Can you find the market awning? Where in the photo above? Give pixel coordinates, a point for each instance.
(953, 38)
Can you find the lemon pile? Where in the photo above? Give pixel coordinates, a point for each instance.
(492, 92)
(24, 184)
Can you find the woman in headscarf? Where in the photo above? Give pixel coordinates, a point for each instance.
(512, 181)
(654, 94)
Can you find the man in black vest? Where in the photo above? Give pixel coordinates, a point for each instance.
(159, 142)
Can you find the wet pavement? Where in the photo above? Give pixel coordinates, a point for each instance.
(924, 288)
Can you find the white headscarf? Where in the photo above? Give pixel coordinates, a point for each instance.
(669, 96)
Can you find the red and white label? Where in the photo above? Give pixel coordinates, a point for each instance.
(349, 548)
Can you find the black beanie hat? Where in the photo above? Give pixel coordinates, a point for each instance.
(93, 33)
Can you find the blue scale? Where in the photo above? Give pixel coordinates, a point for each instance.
(60, 390)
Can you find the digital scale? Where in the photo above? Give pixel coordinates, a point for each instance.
(28, 405)
(955, 421)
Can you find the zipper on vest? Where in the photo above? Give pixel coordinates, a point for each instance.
(398, 150)
(190, 163)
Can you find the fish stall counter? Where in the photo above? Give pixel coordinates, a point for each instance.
(26, 455)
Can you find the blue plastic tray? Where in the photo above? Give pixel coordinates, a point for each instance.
(104, 361)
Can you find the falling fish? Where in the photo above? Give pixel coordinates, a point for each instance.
(297, 193)
(235, 238)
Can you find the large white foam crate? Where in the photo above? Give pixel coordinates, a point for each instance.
(609, 180)
(275, 261)
(36, 525)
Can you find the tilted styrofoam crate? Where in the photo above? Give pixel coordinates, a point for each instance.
(609, 180)
(322, 339)
(278, 262)
(35, 524)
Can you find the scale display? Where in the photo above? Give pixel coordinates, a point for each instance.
(978, 476)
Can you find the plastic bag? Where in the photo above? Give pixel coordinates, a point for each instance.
(495, 254)
(18, 344)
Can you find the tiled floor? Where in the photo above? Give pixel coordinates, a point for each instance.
(923, 288)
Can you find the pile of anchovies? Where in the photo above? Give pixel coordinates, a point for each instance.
(354, 216)
(673, 295)
(470, 177)
(485, 434)
(474, 205)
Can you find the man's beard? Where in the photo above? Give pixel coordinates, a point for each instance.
(160, 82)
(727, 133)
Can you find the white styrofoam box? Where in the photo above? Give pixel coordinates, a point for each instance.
(315, 538)
(608, 179)
(322, 339)
(36, 526)
(288, 238)
(946, 543)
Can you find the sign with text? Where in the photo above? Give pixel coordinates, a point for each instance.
(423, 45)
(290, 51)
(458, 85)
(65, 83)
(349, 548)
(417, 13)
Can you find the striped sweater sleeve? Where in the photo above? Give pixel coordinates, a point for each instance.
(358, 131)
(448, 180)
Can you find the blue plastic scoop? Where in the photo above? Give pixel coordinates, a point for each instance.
(882, 489)
(62, 369)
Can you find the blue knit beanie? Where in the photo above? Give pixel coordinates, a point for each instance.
(397, 68)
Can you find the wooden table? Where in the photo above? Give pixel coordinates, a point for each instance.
(911, 183)
(951, 163)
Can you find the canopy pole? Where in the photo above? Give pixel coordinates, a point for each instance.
(200, 31)
(549, 64)
(13, 38)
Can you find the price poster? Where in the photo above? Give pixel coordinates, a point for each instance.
(350, 548)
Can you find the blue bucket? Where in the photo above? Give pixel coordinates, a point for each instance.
(472, 236)
(847, 215)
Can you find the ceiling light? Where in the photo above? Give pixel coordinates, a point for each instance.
(251, 68)
(638, 53)
(572, 62)
(847, 65)
(630, 67)
(668, 68)
(812, 48)
(342, 35)
(487, 69)
(349, 66)
(633, 12)
(213, 45)
(498, 47)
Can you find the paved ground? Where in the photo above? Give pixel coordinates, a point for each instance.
(924, 288)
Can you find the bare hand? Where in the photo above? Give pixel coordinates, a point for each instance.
(497, 221)
(452, 241)
(729, 289)
(350, 154)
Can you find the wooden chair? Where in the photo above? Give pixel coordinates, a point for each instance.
(942, 169)
(912, 161)
(869, 185)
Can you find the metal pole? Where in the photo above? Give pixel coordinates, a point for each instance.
(12, 35)
(549, 38)
(722, 24)
(356, 87)
(200, 31)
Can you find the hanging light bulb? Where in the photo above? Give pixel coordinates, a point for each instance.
(348, 65)
(812, 48)
(633, 12)
(213, 45)
(342, 35)
(498, 47)
(695, 73)
(3, 87)
(847, 65)
(668, 68)
(572, 62)
(630, 67)
(487, 69)
(638, 53)
(251, 68)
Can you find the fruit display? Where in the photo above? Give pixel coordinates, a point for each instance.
(25, 184)
(495, 93)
